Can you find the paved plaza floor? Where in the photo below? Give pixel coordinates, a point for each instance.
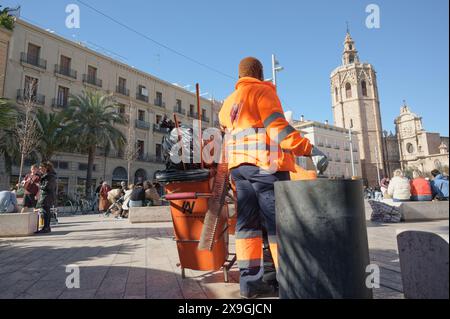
(120, 260)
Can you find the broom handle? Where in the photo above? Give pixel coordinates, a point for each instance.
(197, 88)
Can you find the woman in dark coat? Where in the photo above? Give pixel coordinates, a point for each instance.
(47, 199)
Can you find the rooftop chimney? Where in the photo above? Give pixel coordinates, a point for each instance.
(302, 118)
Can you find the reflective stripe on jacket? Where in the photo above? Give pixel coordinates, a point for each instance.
(257, 131)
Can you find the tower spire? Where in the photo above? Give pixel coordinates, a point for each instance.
(350, 54)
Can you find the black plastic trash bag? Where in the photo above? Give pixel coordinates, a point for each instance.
(175, 175)
(178, 148)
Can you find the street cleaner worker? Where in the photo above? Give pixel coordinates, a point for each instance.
(260, 148)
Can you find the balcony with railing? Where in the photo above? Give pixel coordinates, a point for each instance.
(347, 148)
(160, 103)
(141, 97)
(68, 72)
(205, 119)
(178, 109)
(25, 97)
(337, 147)
(158, 129)
(347, 161)
(320, 144)
(338, 160)
(142, 125)
(34, 60)
(60, 103)
(193, 115)
(150, 158)
(92, 80)
(122, 90)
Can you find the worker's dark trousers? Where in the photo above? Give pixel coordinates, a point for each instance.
(255, 210)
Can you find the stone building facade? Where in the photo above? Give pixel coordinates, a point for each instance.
(355, 103)
(418, 148)
(334, 142)
(62, 67)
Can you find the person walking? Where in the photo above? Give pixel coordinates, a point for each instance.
(31, 188)
(420, 187)
(399, 187)
(47, 198)
(260, 146)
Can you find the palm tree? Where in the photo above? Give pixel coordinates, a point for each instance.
(8, 114)
(91, 117)
(8, 138)
(54, 134)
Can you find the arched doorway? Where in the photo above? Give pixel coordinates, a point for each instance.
(119, 175)
(140, 176)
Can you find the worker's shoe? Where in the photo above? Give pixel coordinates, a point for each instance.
(259, 289)
(44, 230)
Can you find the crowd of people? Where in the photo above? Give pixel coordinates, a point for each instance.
(418, 188)
(120, 199)
(39, 189)
(39, 192)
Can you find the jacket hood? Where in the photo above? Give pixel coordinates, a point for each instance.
(252, 81)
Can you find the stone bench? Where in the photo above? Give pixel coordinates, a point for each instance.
(18, 225)
(424, 264)
(150, 214)
(424, 211)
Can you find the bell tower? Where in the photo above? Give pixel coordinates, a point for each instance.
(355, 104)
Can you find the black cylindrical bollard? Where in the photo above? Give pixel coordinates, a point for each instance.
(322, 239)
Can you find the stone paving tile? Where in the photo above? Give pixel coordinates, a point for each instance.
(120, 260)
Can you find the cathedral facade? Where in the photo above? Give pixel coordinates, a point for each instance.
(356, 105)
(417, 148)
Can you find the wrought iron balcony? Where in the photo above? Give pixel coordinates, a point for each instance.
(158, 129)
(337, 147)
(160, 103)
(122, 90)
(60, 103)
(150, 158)
(92, 80)
(25, 97)
(142, 125)
(179, 109)
(33, 60)
(193, 115)
(59, 69)
(141, 97)
(205, 119)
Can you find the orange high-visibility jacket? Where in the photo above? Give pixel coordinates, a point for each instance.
(257, 131)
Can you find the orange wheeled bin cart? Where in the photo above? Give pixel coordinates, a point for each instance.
(188, 206)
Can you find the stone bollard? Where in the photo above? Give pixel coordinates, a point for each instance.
(322, 239)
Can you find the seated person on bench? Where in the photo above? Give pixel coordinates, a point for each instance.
(8, 202)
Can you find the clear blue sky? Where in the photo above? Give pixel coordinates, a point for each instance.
(410, 51)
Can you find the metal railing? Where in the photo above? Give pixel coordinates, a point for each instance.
(150, 158)
(122, 90)
(93, 80)
(179, 109)
(205, 119)
(157, 128)
(142, 125)
(59, 69)
(159, 103)
(33, 60)
(35, 98)
(337, 147)
(60, 103)
(141, 97)
(193, 115)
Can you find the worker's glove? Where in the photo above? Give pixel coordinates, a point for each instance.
(320, 160)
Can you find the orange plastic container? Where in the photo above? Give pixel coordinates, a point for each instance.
(188, 216)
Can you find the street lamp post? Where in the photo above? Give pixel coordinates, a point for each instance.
(351, 150)
(275, 68)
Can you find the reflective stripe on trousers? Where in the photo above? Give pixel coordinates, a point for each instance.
(255, 210)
